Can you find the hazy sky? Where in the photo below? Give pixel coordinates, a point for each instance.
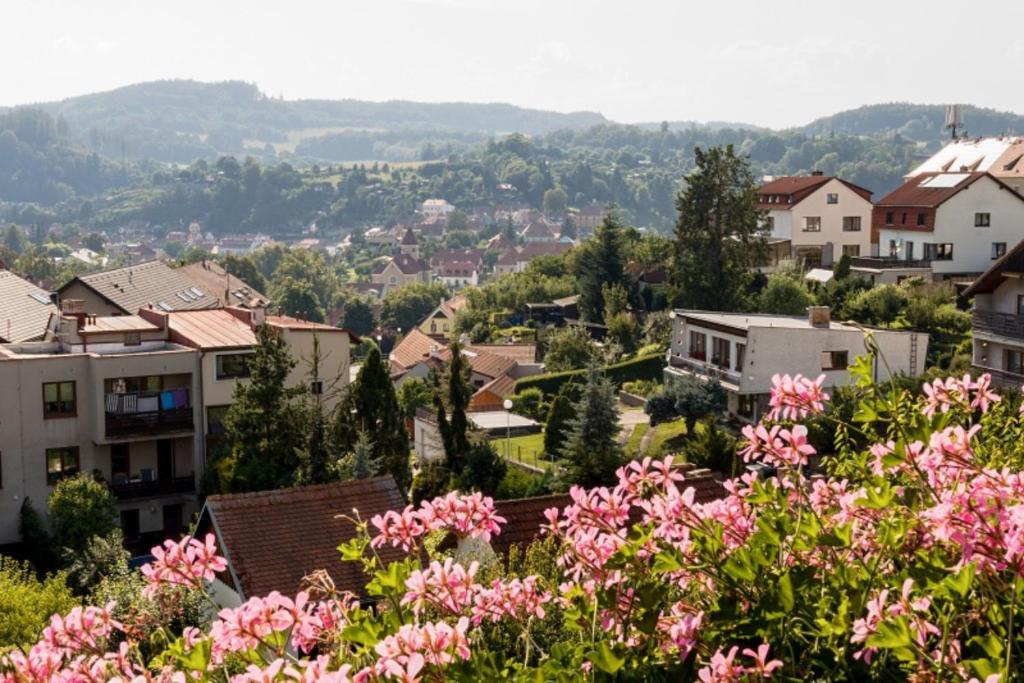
(770, 62)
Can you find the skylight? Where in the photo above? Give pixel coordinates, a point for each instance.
(945, 180)
(41, 298)
(164, 305)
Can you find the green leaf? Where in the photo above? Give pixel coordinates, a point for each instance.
(352, 550)
(666, 563)
(992, 645)
(891, 635)
(961, 581)
(738, 570)
(365, 632)
(786, 598)
(605, 659)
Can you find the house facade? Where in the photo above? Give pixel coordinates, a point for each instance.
(742, 351)
(957, 224)
(400, 270)
(822, 217)
(997, 319)
(110, 396)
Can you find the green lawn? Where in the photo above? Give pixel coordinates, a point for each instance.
(528, 449)
(664, 433)
(633, 443)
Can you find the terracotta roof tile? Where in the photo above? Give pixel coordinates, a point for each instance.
(523, 519)
(273, 539)
(414, 348)
(214, 329)
(920, 191)
(211, 277)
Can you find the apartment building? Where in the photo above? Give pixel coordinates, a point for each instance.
(822, 217)
(956, 224)
(112, 396)
(123, 291)
(998, 319)
(743, 351)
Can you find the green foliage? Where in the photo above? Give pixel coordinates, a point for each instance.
(784, 294)
(404, 307)
(530, 402)
(26, 602)
(371, 407)
(559, 420)
(298, 298)
(880, 305)
(569, 348)
(79, 509)
(686, 397)
(451, 406)
(643, 367)
(598, 263)
(245, 270)
(555, 201)
(719, 237)
(412, 394)
(358, 316)
(623, 331)
(483, 469)
(35, 537)
(591, 447)
(102, 556)
(711, 446)
(264, 425)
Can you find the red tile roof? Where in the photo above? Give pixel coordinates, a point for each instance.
(797, 188)
(211, 277)
(520, 353)
(916, 193)
(272, 539)
(414, 348)
(524, 518)
(482, 362)
(290, 323)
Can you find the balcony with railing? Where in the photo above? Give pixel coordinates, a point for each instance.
(1001, 324)
(148, 412)
(696, 361)
(145, 488)
(888, 262)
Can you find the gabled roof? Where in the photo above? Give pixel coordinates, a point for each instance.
(524, 518)
(500, 242)
(798, 188)
(25, 309)
(213, 329)
(532, 250)
(409, 239)
(408, 265)
(481, 362)
(520, 353)
(509, 258)
(1010, 262)
(211, 277)
(272, 539)
(414, 348)
(457, 268)
(499, 386)
(931, 190)
(971, 154)
(538, 228)
(134, 287)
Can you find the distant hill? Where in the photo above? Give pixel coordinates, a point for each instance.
(181, 120)
(711, 125)
(920, 122)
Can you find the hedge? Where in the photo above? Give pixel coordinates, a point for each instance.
(645, 367)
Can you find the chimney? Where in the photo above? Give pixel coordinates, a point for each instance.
(817, 173)
(819, 316)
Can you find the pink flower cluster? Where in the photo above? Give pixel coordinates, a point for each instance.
(723, 668)
(187, 562)
(879, 609)
(943, 395)
(466, 516)
(405, 654)
(796, 397)
(776, 446)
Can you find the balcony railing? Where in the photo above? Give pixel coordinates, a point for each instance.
(138, 488)
(1002, 378)
(703, 367)
(154, 412)
(888, 262)
(1002, 324)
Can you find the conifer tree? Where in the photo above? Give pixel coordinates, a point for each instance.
(452, 422)
(559, 416)
(316, 456)
(719, 237)
(599, 263)
(592, 447)
(371, 407)
(265, 423)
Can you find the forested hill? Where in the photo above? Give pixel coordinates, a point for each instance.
(919, 122)
(180, 121)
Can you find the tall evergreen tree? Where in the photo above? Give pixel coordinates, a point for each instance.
(600, 262)
(592, 447)
(452, 422)
(265, 423)
(559, 416)
(316, 455)
(719, 237)
(371, 407)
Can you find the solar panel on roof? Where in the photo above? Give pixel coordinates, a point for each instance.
(183, 297)
(945, 180)
(196, 291)
(165, 306)
(41, 298)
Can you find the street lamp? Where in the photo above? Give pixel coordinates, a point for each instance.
(508, 427)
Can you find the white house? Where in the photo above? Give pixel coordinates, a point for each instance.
(957, 223)
(998, 319)
(823, 217)
(436, 208)
(743, 351)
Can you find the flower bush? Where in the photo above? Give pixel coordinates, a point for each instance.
(901, 559)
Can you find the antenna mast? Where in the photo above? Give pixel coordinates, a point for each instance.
(954, 119)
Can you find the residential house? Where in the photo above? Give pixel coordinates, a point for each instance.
(743, 351)
(458, 274)
(400, 270)
(500, 243)
(539, 230)
(507, 263)
(956, 224)
(436, 208)
(110, 395)
(1001, 156)
(261, 536)
(88, 257)
(588, 218)
(26, 312)
(441, 320)
(210, 276)
(998, 319)
(123, 291)
(823, 217)
(418, 353)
